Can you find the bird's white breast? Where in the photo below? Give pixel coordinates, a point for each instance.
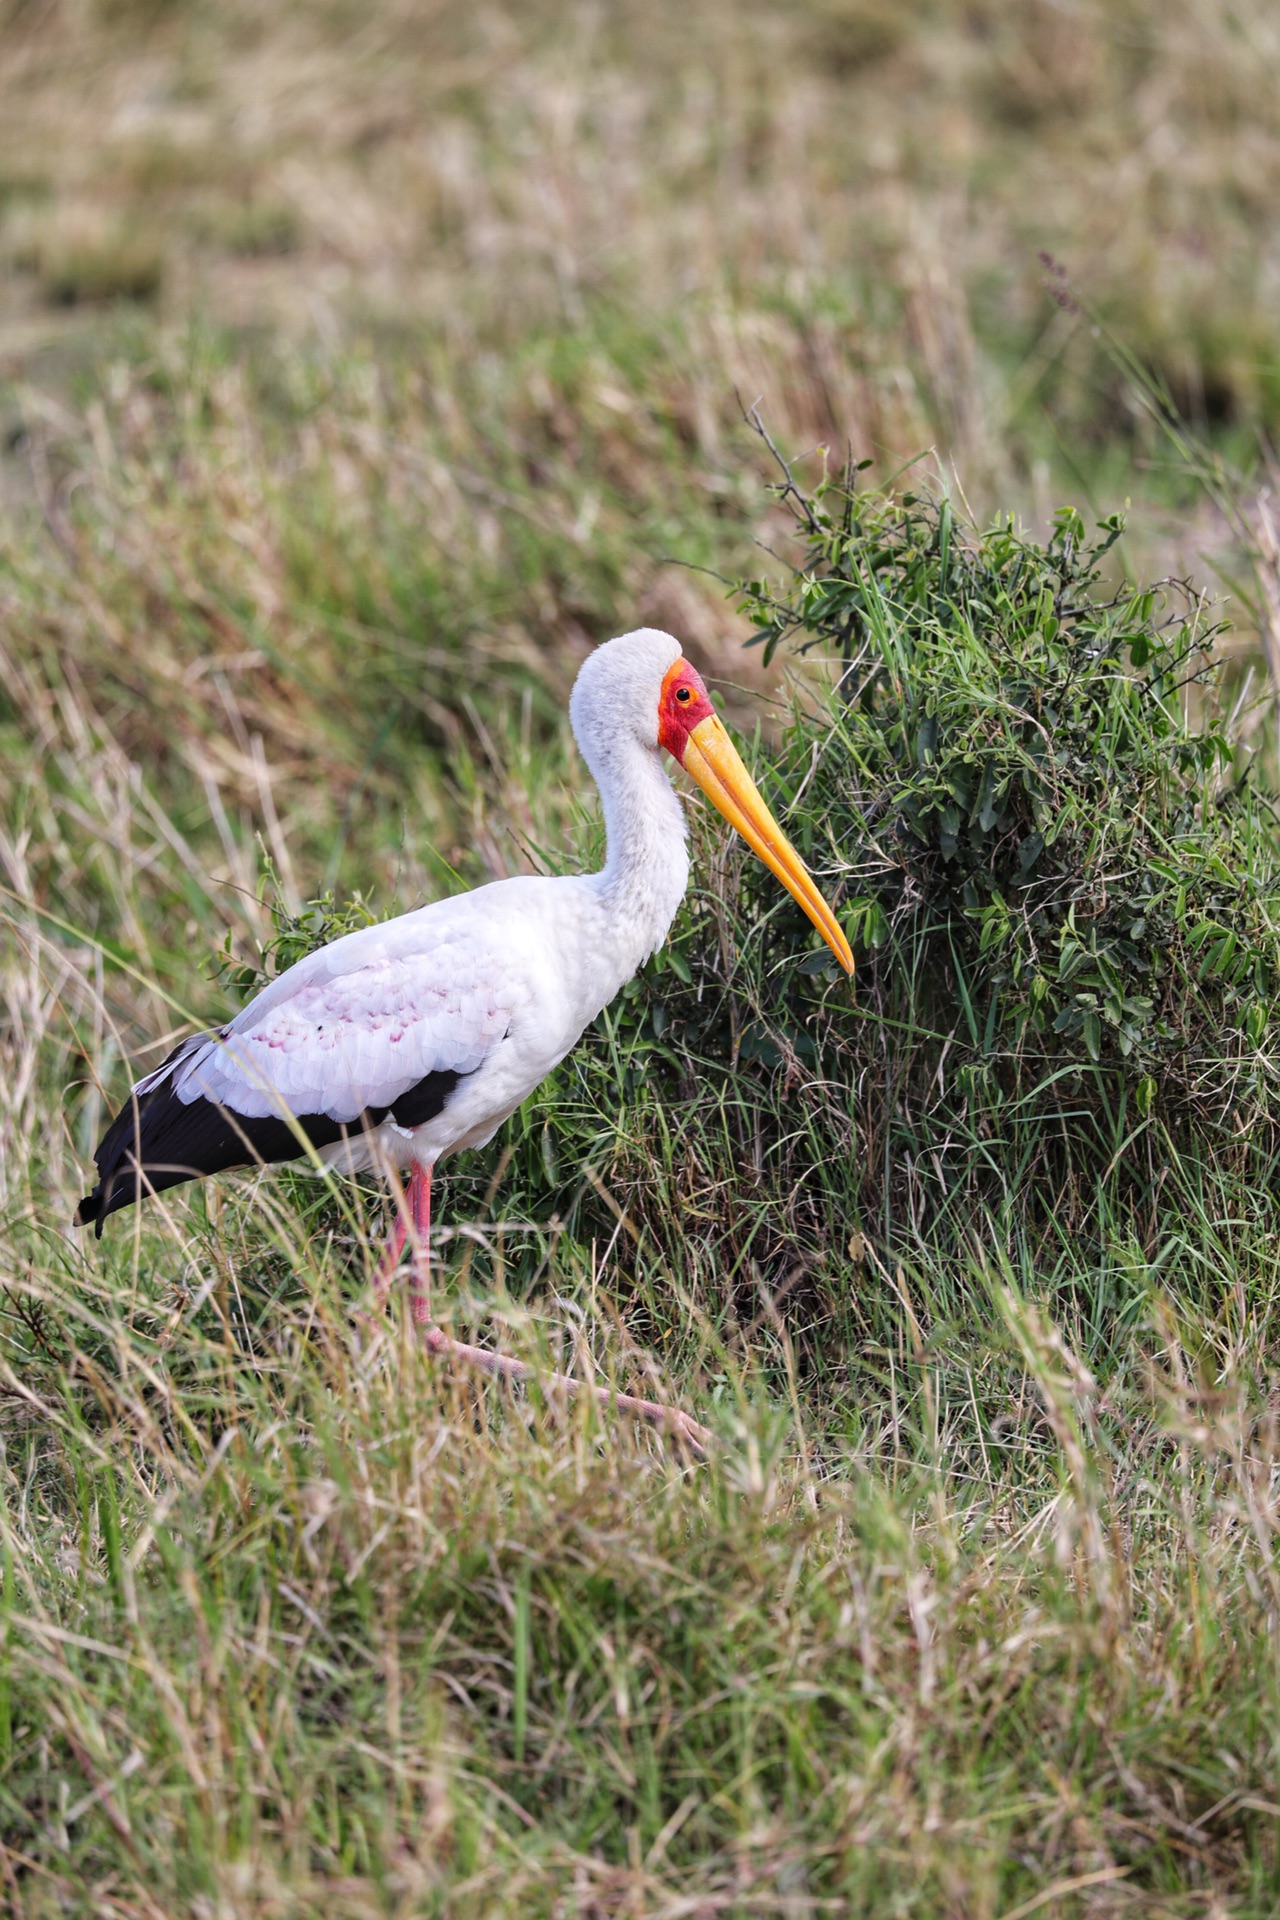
(560, 956)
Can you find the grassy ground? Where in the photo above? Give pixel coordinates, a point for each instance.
(358, 369)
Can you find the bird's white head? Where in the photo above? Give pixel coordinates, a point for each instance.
(619, 690)
(640, 690)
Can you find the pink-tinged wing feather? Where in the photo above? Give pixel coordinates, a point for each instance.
(334, 1039)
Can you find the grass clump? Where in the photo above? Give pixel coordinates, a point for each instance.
(80, 269)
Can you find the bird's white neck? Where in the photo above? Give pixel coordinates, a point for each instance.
(646, 867)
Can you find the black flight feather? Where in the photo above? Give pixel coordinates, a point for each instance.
(158, 1141)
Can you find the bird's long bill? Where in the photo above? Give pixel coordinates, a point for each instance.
(715, 763)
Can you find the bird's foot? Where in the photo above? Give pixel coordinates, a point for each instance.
(681, 1425)
(697, 1438)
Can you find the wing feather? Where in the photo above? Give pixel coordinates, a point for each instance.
(353, 1041)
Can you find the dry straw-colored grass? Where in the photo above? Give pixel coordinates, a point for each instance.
(859, 192)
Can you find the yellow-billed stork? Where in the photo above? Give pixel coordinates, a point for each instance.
(402, 1042)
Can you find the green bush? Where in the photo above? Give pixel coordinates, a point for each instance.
(1018, 786)
(1062, 855)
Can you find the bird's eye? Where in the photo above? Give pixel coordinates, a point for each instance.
(683, 694)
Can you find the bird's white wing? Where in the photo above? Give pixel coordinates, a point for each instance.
(354, 1027)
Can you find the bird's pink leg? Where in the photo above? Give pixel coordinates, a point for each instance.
(420, 1209)
(413, 1210)
(389, 1259)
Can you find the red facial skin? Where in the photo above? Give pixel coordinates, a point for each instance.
(682, 704)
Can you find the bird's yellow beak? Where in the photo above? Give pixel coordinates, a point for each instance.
(715, 763)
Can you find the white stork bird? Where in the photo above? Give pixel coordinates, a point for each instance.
(402, 1042)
